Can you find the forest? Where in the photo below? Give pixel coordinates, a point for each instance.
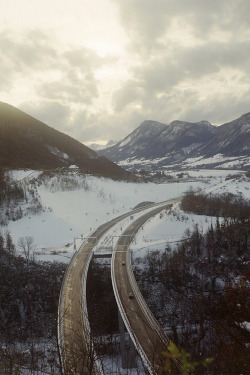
(199, 289)
(29, 293)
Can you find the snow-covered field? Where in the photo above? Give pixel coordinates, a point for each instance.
(216, 161)
(74, 214)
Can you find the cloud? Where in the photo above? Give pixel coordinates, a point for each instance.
(51, 113)
(20, 51)
(58, 74)
(209, 71)
(55, 79)
(130, 93)
(146, 21)
(72, 86)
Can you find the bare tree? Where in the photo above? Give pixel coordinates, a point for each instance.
(26, 244)
(9, 245)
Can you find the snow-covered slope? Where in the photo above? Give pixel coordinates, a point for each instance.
(73, 205)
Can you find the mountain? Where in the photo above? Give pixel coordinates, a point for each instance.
(26, 142)
(232, 138)
(135, 143)
(182, 144)
(97, 146)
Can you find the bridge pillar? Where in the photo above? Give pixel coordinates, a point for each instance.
(127, 347)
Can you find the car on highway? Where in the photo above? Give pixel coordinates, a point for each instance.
(131, 296)
(123, 263)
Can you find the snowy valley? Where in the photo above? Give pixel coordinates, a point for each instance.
(71, 205)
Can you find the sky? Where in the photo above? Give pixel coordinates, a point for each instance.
(96, 69)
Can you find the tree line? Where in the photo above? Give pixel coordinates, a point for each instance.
(226, 205)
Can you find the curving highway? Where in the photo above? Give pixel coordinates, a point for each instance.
(77, 354)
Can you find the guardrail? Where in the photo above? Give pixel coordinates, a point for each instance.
(60, 339)
(97, 364)
(126, 322)
(97, 367)
(151, 318)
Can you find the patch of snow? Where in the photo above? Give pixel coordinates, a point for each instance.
(166, 228)
(58, 153)
(223, 161)
(73, 167)
(125, 141)
(245, 325)
(190, 148)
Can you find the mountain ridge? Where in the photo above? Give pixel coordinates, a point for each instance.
(175, 144)
(26, 142)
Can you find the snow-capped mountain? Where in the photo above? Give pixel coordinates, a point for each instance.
(97, 146)
(183, 144)
(136, 142)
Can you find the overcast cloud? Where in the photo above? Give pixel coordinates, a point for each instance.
(96, 69)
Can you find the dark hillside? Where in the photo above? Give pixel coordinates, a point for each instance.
(26, 142)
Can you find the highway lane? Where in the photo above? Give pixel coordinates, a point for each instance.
(146, 331)
(76, 355)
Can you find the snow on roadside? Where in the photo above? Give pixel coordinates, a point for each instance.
(166, 228)
(170, 228)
